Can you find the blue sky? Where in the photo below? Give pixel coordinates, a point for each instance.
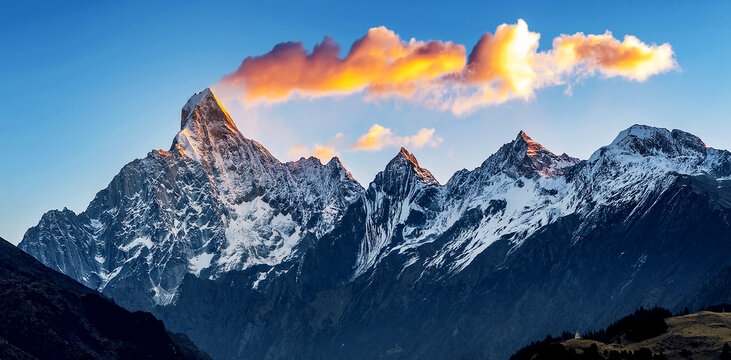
(89, 86)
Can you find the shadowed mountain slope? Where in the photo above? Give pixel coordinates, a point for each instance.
(47, 315)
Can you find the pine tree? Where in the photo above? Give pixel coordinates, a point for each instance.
(726, 352)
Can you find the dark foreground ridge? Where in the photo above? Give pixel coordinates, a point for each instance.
(47, 315)
(644, 335)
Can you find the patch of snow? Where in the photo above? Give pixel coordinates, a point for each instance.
(259, 278)
(199, 262)
(140, 241)
(258, 234)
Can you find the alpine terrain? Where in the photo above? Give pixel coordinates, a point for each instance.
(253, 258)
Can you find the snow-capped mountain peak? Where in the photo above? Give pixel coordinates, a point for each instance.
(526, 157)
(205, 105)
(647, 140)
(390, 199)
(662, 149)
(407, 161)
(207, 131)
(215, 202)
(533, 148)
(644, 160)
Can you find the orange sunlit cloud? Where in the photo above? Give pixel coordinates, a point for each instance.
(379, 62)
(631, 58)
(506, 59)
(502, 66)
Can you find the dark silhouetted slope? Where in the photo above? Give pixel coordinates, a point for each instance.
(47, 315)
(702, 335)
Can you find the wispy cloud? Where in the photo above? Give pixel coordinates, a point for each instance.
(379, 137)
(502, 66)
(324, 152)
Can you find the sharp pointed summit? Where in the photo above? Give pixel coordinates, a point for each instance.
(205, 124)
(526, 157)
(406, 154)
(204, 106)
(389, 200)
(209, 136)
(406, 161)
(533, 148)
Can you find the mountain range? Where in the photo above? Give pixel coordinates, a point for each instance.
(255, 258)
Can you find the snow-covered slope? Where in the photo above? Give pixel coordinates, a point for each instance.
(517, 190)
(642, 161)
(397, 192)
(215, 202)
(522, 188)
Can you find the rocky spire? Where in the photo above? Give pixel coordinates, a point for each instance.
(204, 106)
(406, 161)
(526, 157)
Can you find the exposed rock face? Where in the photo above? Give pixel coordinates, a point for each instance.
(254, 257)
(402, 189)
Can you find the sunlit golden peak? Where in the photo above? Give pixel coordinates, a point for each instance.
(533, 147)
